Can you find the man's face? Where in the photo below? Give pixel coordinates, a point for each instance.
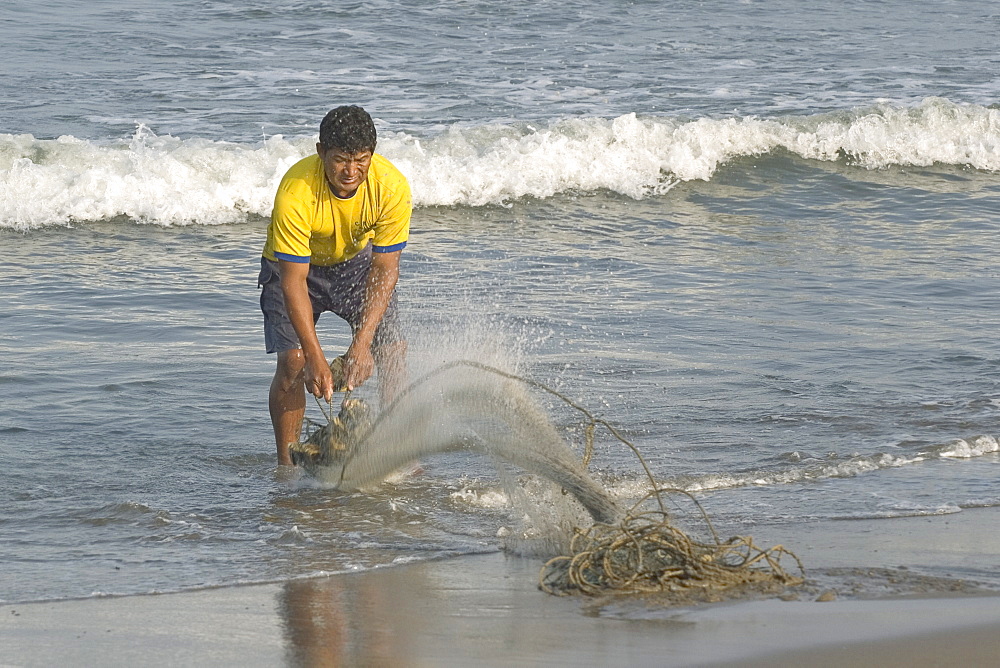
(345, 171)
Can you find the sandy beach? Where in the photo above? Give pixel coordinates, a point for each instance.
(487, 609)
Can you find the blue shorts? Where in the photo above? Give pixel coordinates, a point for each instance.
(339, 288)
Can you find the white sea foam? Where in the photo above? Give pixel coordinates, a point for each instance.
(902, 510)
(633, 488)
(628, 489)
(485, 498)
(149, 178)
(967, 449)
(171, 181)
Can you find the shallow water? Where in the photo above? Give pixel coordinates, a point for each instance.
(777, 277)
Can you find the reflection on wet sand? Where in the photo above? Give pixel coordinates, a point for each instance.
(347, 620)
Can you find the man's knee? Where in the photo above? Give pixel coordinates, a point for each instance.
(289, 369)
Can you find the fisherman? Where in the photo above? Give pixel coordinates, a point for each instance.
(340, 222)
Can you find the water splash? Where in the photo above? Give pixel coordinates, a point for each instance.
(468, 408)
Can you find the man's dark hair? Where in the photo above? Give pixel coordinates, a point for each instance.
(349, 129)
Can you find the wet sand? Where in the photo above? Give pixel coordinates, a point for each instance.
(487, 609)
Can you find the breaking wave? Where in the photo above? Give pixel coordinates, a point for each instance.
(171, 181)
(841, 467)
(627, 489)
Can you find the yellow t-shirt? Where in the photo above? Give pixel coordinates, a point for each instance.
(310, 224)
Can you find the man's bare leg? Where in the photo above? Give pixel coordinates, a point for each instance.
(287, 401)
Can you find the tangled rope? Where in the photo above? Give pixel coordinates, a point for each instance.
(645, 551)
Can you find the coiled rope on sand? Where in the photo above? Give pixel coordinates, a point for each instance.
(644, 552)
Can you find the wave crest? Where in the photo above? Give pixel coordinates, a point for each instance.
(170, 181)
(148, 178)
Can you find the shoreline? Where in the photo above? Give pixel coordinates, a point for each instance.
(488, 609)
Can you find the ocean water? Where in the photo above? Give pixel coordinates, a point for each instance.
(760, 238)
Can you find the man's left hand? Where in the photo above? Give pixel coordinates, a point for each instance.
(359, 363)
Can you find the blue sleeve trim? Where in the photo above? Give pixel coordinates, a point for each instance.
(292, 258)
(389, 249)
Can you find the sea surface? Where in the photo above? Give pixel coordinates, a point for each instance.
(759, 237)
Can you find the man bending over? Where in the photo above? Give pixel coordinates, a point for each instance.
(341, 219)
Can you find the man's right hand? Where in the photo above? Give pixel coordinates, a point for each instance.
(294, 275)
(319, 379)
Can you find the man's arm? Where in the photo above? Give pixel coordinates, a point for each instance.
(319, 380)
(381, 281)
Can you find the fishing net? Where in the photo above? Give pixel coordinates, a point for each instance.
(331, 443)
(641, 550)
(646, 552)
